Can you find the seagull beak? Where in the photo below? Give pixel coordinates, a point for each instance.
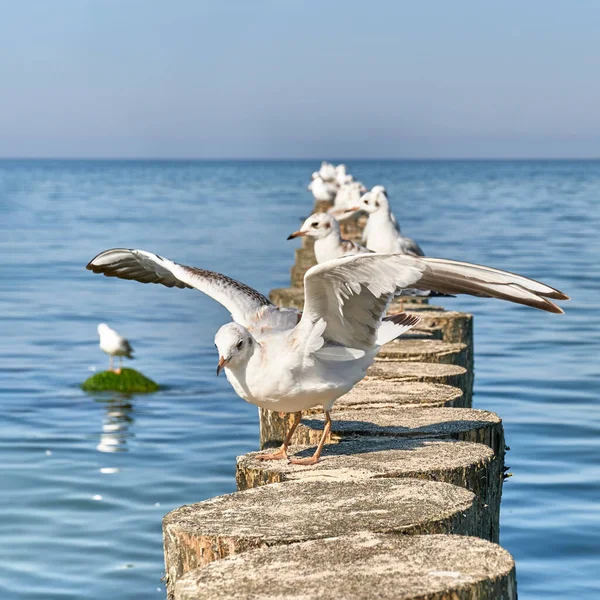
(220, 365)
(296, 234)
(344, 212)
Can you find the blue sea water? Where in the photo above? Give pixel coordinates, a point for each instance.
(85, 479)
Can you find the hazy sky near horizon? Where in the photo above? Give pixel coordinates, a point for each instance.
(292, 78)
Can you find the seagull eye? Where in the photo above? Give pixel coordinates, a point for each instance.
(239, 344)
(315, 224)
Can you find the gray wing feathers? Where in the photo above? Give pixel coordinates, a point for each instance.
(409, 246)
(350, 247)
(241, 300)
(136, 265)
(454, 277)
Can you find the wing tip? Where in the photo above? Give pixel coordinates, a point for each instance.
(545, 305)
(97, 268)
(94, 268)
(555, 295)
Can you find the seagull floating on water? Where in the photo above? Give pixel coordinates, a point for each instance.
(114, 345)
(382, 233)
(287, 361)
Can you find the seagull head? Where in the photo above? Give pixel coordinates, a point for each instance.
(103, 329)
(318, 225)
(234, 344)
(374, 200)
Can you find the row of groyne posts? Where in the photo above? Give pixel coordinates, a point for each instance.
(405, 502)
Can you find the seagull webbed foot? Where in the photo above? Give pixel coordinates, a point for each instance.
(309, 460)
(281, 454)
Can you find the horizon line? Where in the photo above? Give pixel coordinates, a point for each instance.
(298, 159)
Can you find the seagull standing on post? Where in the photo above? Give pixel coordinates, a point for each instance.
(327, 171)
(323, 191)
(382, 233)
(329, 243)
(286, 361)
(341, 176)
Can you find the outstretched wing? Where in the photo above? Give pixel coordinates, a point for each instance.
(351, 293)
(240, 300)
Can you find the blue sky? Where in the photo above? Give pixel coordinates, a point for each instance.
(291, 78)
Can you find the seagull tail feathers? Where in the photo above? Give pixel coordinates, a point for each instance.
(129, 350)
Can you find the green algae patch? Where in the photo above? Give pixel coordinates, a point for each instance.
(128, 380)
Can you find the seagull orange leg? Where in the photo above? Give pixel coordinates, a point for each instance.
(311, 460)
(282, 452)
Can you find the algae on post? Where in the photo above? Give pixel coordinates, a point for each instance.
(128, 380)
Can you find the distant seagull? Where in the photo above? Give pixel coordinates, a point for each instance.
(327, 172)
(382, 233)
(287, 361)
(114, 345)
(323, 191)
(341, 176)
(329, 243)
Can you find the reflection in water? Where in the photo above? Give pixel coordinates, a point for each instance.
(116, 422)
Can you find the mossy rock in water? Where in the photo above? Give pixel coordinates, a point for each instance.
(128, 380)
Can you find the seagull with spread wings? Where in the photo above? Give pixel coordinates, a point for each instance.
(286, 361)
